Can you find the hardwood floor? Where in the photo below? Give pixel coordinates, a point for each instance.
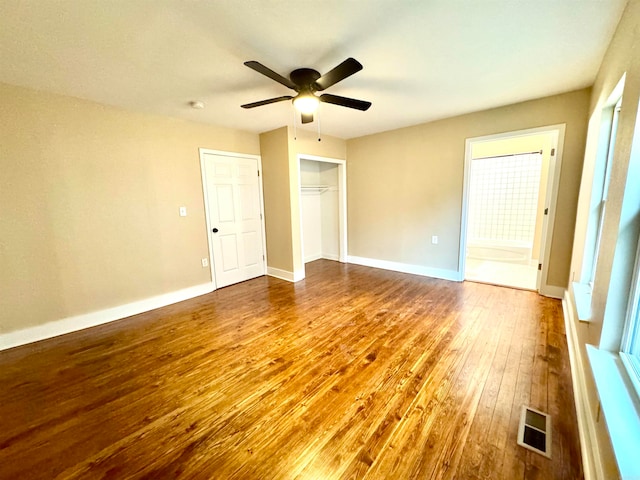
(353, 373)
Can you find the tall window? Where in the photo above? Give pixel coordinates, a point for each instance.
(603, 191)
(629, 243)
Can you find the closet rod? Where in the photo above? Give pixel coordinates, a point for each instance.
(314, 188)
(507, 155)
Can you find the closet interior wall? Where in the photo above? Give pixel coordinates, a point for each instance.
(319, 207)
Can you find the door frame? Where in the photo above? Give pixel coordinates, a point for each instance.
(342, 204)
(553, 181)
(202, 153)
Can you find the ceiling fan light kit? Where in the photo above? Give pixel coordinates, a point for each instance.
(305, 82)
(306, 102)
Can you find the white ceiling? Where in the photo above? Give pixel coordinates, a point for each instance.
(423, 59)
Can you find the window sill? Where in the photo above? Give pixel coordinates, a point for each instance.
(582, 300)
(621, 408)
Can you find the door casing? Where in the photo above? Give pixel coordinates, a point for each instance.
(342, 208)
(553, 182)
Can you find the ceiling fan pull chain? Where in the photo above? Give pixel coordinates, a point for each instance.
(295, 133)
(318, 121)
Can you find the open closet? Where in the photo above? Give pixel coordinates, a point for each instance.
(320, 209)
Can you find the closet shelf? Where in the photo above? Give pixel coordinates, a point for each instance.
(314, 188)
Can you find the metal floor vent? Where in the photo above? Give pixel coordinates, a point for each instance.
(534, 431)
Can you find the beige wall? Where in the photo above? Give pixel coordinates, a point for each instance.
(281, 176)
(274, 148)
(406, 185)
(89, 199)
(523, 144)
(621, 57)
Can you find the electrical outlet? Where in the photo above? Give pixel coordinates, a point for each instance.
(205, 262)
(434, 239)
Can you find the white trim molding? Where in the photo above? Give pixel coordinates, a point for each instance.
(342, 206)
(591, 459)
(87, 320)
(312, 258)
(441, 273)
(619, 405)
(552, 291)
(325, 256)
(285, 274)
(582, 296)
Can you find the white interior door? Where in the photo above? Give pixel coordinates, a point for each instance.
(235, 219)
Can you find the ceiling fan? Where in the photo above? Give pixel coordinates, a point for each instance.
(306, 81)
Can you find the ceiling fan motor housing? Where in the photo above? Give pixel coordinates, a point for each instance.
(305, 78)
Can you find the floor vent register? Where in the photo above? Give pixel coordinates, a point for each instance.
(534, 431)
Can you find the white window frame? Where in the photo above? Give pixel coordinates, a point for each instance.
(605, 188)
(630, 346)
(583, 288)
(615, 363)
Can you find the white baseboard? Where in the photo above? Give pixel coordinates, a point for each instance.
(286, 274)
(591, 461)
(326, 256)
(80, 322)
(312, 258)
(441, 273)
(552, 291)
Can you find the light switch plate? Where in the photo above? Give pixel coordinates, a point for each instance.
(183, 211)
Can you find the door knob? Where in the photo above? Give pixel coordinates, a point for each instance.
(215, 230)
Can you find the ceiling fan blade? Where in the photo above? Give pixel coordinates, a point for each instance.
(307, 117)
(345, 101)
(342, 71)
(266, 102)
(258, 67)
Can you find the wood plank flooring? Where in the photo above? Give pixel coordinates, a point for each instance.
(352, 373)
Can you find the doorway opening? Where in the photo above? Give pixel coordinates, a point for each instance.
(509, 204)
(323, 209)
(504, 220)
